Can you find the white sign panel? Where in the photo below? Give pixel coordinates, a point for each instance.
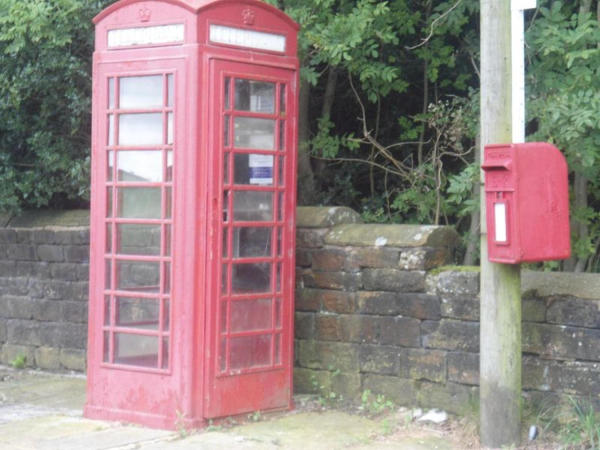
(500, 222)
(163, 34)
(261, 169)
(246, 38)
(520, 5)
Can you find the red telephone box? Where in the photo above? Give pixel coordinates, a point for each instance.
(193, 211)
(527, 203)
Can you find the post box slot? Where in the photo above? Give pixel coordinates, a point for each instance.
(501, 225)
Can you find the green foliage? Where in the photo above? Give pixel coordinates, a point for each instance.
(45, 94)
(375, 405)
(19, 362)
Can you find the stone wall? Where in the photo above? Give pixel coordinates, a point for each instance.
(43, 289)
(376, 310)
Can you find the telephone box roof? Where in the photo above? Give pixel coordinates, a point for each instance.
(196, 6)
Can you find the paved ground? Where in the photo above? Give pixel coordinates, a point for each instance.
(42, 411)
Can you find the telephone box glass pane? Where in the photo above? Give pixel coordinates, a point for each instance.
(250, 315)
(111, 130)
(140, 203)
(252, 206)
(282, 99)
(139, 313)
(282, 135)
(111, 93)
(140, 166)
(253, 170)
(251, 132)
(252, 242)
(140, 129)
(106, 353)
(167, 316)
(255, 96)
(139, 276)
(169, 128)
(168, 240)
(165, 355)
(138, 239)
(281, 171)
(251, 278)
(141, 92)
(250, 351)
(167, 277)
(277, 350)
(107, 309)
(170, 91)
(169, 175)
(111, 164)
(108, 247)
(136, 350)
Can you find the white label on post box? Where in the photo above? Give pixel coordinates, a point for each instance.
(163, 34)
(500, 221)
(520, 5)
(261, 169)
(246, 38)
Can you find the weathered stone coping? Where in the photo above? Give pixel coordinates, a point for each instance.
(545, 284)
(369, 235)
(325, 217)
(47, 219)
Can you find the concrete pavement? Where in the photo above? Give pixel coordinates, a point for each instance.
(42, 411)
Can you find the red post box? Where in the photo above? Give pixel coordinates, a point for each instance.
(527, 203)
(193, 211)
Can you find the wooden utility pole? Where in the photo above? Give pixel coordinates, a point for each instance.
(500, 337)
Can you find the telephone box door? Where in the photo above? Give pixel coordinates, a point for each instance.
(253, 146)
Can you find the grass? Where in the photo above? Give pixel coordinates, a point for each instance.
(19, 362)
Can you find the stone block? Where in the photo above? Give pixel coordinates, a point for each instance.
(304, 325)
(72, 236)
(48, 311)
(8, 236)
(401, 391)
(77, 254)
(14, 286)
(376, 257)
(43, 236)
(329, 259)
(303, 257)
(24, 236)
(574, 311)
(73, 359)
(327, 327)
(580, 378)
(308, 299)
(561, 342)
(458, 282)
(451, 335)
(325, 216)
(63, 335)
(47, 358)
(378, 303)
(21, 252)
(346, 281)
(393, 280)
(380, 235)
(24, 332)
(328, 356)
(422, 364)
(541, 375)
(307, 381)
(17, 307)
(450, 397)
(33, 269)
(65, 290)
(310, 238)
(64, 272)
(83, 272)
(339, 302)
(50, 253)
(461, 307)
(10, 352)
(533, 310)
(74, 312)
(8, 268)
(401, 331)
(346, 384)
(419, 306)
(379, 359)
(463, 368)
(3, 331)
(425, 258)
(350, 328)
